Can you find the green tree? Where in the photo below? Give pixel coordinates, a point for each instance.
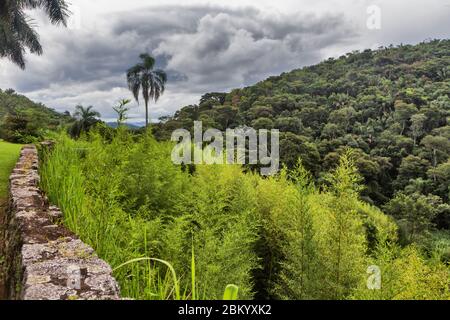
(299, 277)
(439, 147)
(332, 131)
(20, 127)
(294, 147)
(213, 98)
(86, 118)
(226, 115)
(441, 179)
(262, 123)
(289, 124)
(343, 244)
(415, 213)
(143, 77)
(403, 113)
(412, 167)
(261, 112)
(16, 31)
(342, 117)
(121, 109)
(417, 126)
(406, 275)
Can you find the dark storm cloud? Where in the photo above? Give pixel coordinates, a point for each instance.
(227, 48)
(211, 45)
(203, 48)
(217, 48)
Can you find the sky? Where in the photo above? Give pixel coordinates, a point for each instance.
(205, 46)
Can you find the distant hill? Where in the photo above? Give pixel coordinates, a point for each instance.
(392, 106)
(23, 120)
(131, 126)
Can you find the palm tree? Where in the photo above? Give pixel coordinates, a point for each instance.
(151, 82)
(16, 31)
(86, 118)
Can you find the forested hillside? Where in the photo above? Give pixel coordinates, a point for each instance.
(23, 121)
(391, 106)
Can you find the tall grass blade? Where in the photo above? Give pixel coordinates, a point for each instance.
(194, 294)
(231, 292)
(172, 270)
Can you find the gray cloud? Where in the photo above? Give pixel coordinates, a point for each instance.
(218, 48)
(203, 48)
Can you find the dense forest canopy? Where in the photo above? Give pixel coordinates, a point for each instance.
(391, 105)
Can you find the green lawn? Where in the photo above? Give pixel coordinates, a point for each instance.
(9, 153)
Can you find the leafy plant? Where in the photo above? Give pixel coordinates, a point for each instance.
(231, 292)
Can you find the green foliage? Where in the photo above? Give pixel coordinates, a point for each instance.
(293, 147)
(16, 30)
(23, 121)
(366, 129)
(9, 153)
(438, 147)
(440, 177)
(220, 225)
(86, 118)
(92, 181)
(415, 213)
(143, 78)
(231, 292)
(412, 167)
(344, 241)
(300, 270)
(392, 104)
(121, 109)
(406, 275)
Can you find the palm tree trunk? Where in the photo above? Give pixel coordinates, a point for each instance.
(146, 113)
(434, 158)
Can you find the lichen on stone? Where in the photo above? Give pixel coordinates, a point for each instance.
(46, 261)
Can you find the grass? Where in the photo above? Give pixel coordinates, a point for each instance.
(9, 153)
(85, 180)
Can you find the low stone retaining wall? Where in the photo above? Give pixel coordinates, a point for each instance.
(44, 260)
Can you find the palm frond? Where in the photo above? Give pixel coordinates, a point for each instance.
(57, 10)
(148, 61)
(142, 77)
(16, 28)
(21, 26)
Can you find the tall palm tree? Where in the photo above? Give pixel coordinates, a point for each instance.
(143, 77)
(16, 31)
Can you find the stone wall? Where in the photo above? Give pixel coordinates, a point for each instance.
(44, 260)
